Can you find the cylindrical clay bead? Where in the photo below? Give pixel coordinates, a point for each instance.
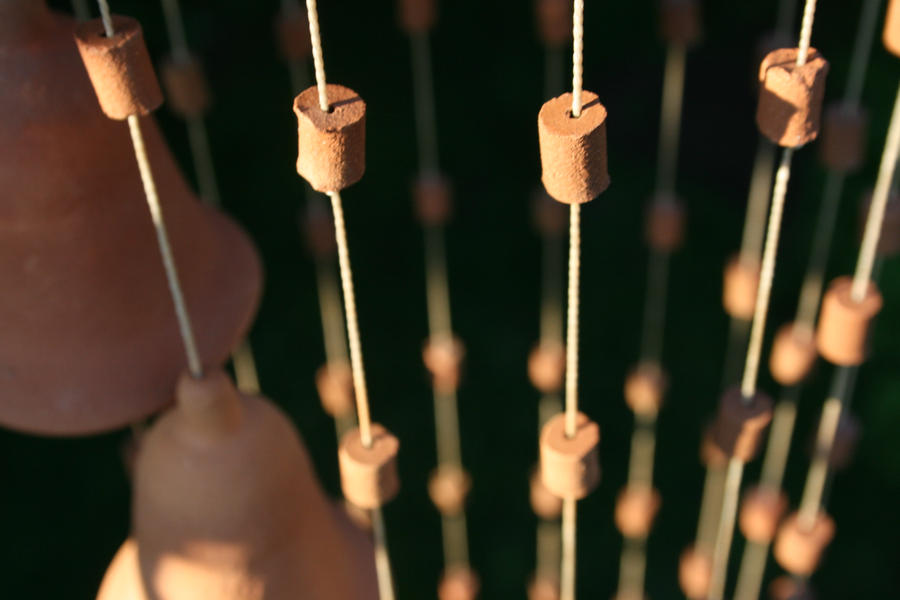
(318, 228)
(790, 588)
(416, 16)
(843, 141)
(889, 240)
(448, 488)
(799, 551)
(891, 34)
(292, 30)
(664, 223)
(845, 439)
(570, 468)
(543, 502)
(186, 87)
(573, 150)
(790, 97)
(679, 21)
(554, 21)
(331, 145)
(844, 324)
(739, 426)
(369, 475)
(543, 587)
(711, 455)
(739, 287)
(645, 388)
(334, 382)
(761, 512)
(433, 199)
(547, 366)
(550, 218)
(694, 573)
(443, 359)
(119, 67)
(793, 354)
(458, 583)
(636, 508)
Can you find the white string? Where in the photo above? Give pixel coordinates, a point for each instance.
(725, 530)
(861, 50)
(106, 18)
(572, 320)
(316, 39)
(175, 27)
(809, 11)
(567, 572)
(577, 56)
(382, 558)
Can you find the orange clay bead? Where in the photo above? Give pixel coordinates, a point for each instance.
(550, 218)
(889, 240)
(664, 223)
(547, 367)
(843, 142)
(369, 475)
(739, 426)
(798, 551)
(680, 21)
(543, 502)
(711, 454)
(790, 588)
(417, 16)
(554, 21)
(790, 97)
(458, 583)
(761, 512)
(636, 508)
(186, 87)
(448, 487)
(645, 388)
(318, 229)
(433, 199)
(573, 151)
(543, 587)
(443, 358)
(292, 31)
(570, 468)
(845, 439)
(844, 324)
(119, 67)
(694, 573)
(793, 354)
(891, 34)
(334, 382)
(739, 287)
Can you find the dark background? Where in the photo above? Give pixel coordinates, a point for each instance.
(65, 503)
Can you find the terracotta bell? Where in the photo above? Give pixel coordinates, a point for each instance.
(90, 341)
(226, 506)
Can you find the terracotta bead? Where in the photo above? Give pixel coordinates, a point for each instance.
(543, 502)
(761, 511)
(448, 488)
(573, 151)
(891, 34)
(790, 97)
(843, 142)
(186, 87)
(768, 42)
(334, 382)
(550, 218)
(739, 287)
(846, 437)
(433, 199)
(369, 475)
(443, 358)
(711, 455)
(292, 31)
(360, 517)
(636, 508)
(694, 573)
(543, 587)
(664, 223)
(844, 324)
(318, 228)
(331, 145)
(570, 468)
(645, 388)
(458, 583)
(554, 21)
(547, 366)
(739, 427)
(680, 21)
(889, 240)
(790, 588)
(793, 354)
(417, 16)
(798, 551)
(119, 67)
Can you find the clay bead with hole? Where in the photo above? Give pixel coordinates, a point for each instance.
(891, 34)
(843, 143)
(448, 487)
(443, 358)
(664, 223)
(573, 150)
(369, 475)
(636, 508)
(119, 67)
(433, 199)
(761, 511)
(334, 382)
(416, 16)
(645, 388)
(543, 502)
(547, 367)
(739, 287)
(793, 354)
(554, 21)
(458, 583)
(186, 87)
(679, 22)
(889, 240)
(790, 97)
(292, 31)
(331, 151)
(694, 573)
(799, 551)
(844, 324)
(570, 468)
(738, 426)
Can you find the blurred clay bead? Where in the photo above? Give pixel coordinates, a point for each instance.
(369, 475)
(543, 587)
(845, 439)
(711, 455)
(318, 228)
(547, 366)
(119, 67)
(645, 388)
(799, 551)
(843, 142)
(443, 358)
(554, 20)
(292, 30)
(570, 467)
(664, 223)
(844, 324)
(458, 583)
(186, 87)
(433, 199)
(793, 354)
(543, 502)
(361, 517)
(636, 507)
(891, 34)
(448, 487)
(694, 573)
(334, 382)
(739, 287)
(331, 151)
(417, 16)
(739, 426)
(761, 511)
(573, 150)
(680, 21)
(889, 240)
(550, 218)
(790, 588)
(790, 97)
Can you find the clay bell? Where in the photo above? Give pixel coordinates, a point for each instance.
(790, 97)
(739, 425)
(226, 506)
(90, 341)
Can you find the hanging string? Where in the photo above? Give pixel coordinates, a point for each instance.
(423, 95)
(567, 570)
(572, 320)
(577, 56)
(382, 558)
(175, 27)
(315, 37)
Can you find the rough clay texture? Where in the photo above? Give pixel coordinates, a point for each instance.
(694, 573)
(543, 502)
(554, 21)
(226, 506)
(458, 583)
(636, 508)
(448, 487)
(570, 468)
(119, 67)
(843, 143)
(547, 366)
(844, 324)
(739, 287)
(90, 341)
(186, 87)
(798, 551)
(331, 152)
(550, 218)
(433, 199)
(761, 511)
(790, 97)
(334, 382)
(292, 31)
(369, 475)
(891, 34)
(739, 427)
(664, 223)
(573, 151)
(443, 358)
(793, 354)
(645, 388)
(679, 22)
(416, 16)
(889, 240)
